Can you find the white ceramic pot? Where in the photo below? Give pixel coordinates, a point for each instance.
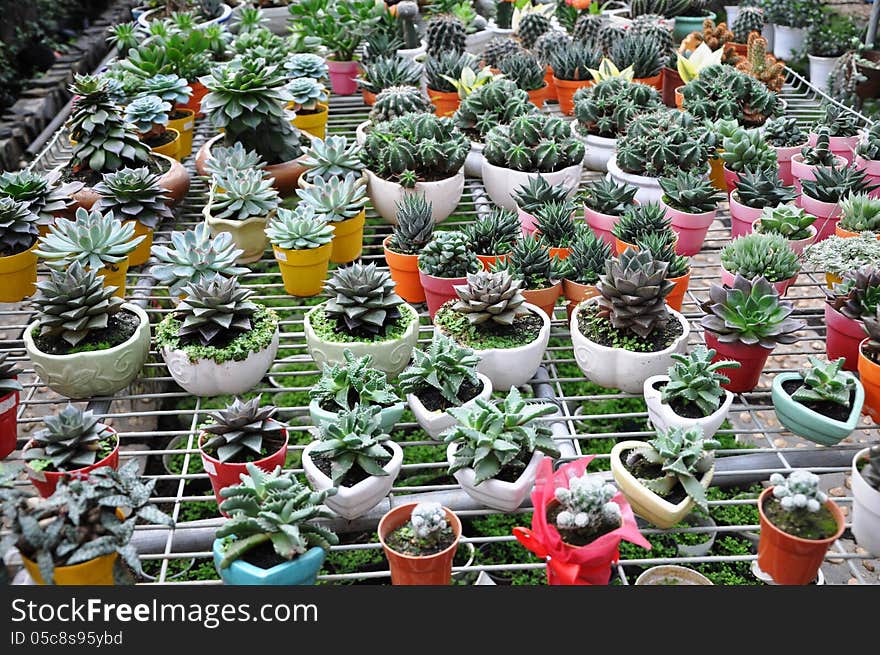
(360, 132)
(649, 187)
(769, 34)
(475, 43)
(277, 19)
(388, 416)
(513, 367)
(436, 422)
(866, 510)
(413, 53)
(144, 19)
(497, 494)
(205, 377)
(787, 41)
(616, 368)
(498, 31)
(732, 12)
(390, 356)
(502, 183)
(663, 417)
(669, 574)
(599, 150)
(96, 372)
(473, 165)
(442, 194)
(352, 502)
(820, 70)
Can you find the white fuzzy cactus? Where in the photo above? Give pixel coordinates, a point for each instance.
(428, 521)
(799, 492)
(586, 502)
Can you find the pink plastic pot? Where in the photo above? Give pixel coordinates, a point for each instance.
(801, 171)
(8, 423)
(841, 146)
(872, 172)
(690, 228)
(342, 76)
(827, 215)
(742, 218)
(781, 287)
(438, 290)
(602, 224)
(842, 337)
(731, 179)
(527, 221)
(783, 158)
(751, 359)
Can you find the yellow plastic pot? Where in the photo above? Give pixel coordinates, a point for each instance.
(18, 275)
(831, 279)
(172, 148)
(116, 278)
(98, 571)
(184, 127)
(141, 254)
(315, 124)
(716, 172)
(303, 271)
(348, 239)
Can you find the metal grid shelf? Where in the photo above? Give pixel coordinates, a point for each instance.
(153, 411)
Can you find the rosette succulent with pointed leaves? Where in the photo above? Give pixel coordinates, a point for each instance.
(641, 220)
(765, 255)
(245, 194)
(869, 144)
(298, 229)
(659, 143)
(490, 297)
(747, 149)
(495, 234)
(533, 143)
(307, 64)
(537, 192)
(643, 54)
(18, 227)
(788, 221)
(42, 192)
(448, 255)
(397, 101)
(444, 366)
(355, 380)
(858, 295)
(556, 225)
(94, 239)
(387, 71)
(235, 157)
(353, 440)
(860, 213)
(607, 108)
(524, 69)
(415, 225)
(694, 378)
(496, 103)
(307, 93)
(492, 437)
(215, 311)
(8, 375)
(832, 184)
(134, 194)
(72, 439)
(335, 155)
(839, 121)
(587, 258)
(73, 302)
(149, 114)
(750, 313)
(784, 132)
(573, 61)
(336, 199)
(763, 188)
(194, 256)
(724, 92)
(689, 191)
(362, 300)
(169, 88)
(530, 262)
(243, 431)
(608, 197)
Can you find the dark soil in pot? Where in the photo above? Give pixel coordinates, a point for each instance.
(683, 408)
(434, 401)
(826, 408)
(159, 139)
(524, 329)
(176, 115)
(120, 328)
(641, 468)
(599, 330)
(263, 556)
(401, 540)
(353, 399)
(354, 475)
(582, 536)
(806, 525)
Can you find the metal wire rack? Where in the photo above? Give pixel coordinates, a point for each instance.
(158, 423)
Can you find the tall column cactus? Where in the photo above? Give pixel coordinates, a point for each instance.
(408, 15)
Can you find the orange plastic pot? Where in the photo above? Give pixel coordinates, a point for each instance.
(544, 298)
(791, 560)
(679, 98)
(846, 234)
(538, 96)
(621, 246)
(369, 98)
(488, 261)
(551, 85)
(831, 279)
(405, 273)
(676, 296)
(655, 81)
(194, 103)
(575, 293)
(415, 570)
(560, 253)
(445, 103)
(565, 90)
(869, 375)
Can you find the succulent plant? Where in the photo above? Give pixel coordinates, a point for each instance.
(498, 49)
(298, 229)
(840, 121)
(655, 28)
(842, 255)
(587, 504)
(689, 191)
(494, 234)
(496, 103)
(824, 381)
(531, 26)
(632, 292)
(869, 144)
(799, 492)
(643, 54)
(170, 88)
(533, 143)
(763, 188)
(819, 154)
(530, 262)
(335, 155)
(394, 70)
(273, 507)
(397, 101)
(306, 93)
(42, 192)
(668, 8)
(640, 220)
(335, 199)
(490, 297)
(573, 61)
(415, 225)
(750, 313)
(524, 69)
(555, 223)
(362, 300)
(608, 197)
(492, 437)
(747, 149)
(445, 366)
(244, 194)
(587, 258)
(607, 108)
(306, 64)
(428, 525)
(93, 239)
(748, 20)
(18, 227)
(860, 213)
(662, 248)
(195, 256)
(531, 197)
(72, 439)
(659, 143)
(243, 431)
(354, 439)
(765, 255)
(73, 302)
(784, 132)
(858, 294)
(446, 66)
(235, 157)
(448, 255)
(548, 43)
(683, 456)
(587, 27)
(354, 381)
(609, 34)
(215, 311)
(134, 194)
(787, 221)
(724, 92)
(444, 33)
(694, 378)
(8, 375)
(832, 184)
(148, 112)
(762, 66)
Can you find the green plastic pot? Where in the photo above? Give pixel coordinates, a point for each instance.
(811, 425)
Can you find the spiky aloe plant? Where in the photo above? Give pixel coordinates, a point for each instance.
(530, 262)
(44, 194)
(134, 194)
(444, 366)
(362, 300)
(819, 154)
(18, 227)
(640, 220)
(524, 69)
(415, 225)
(353, 440)
(394, 70)
(538, 192)
(556, 224)
(72, 439)
(643, 54)
(245, 194)
(763, 188)
(587, 258)
(445, 68)
(353, 381)
(833, 184)
(335, 155)
(243, 432)
(689, 191)
(490, 297)
(298, 229)
(495, 234)
(94, 239)
(608, 197)
(694, 378)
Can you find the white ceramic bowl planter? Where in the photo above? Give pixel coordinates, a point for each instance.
(475, 43)
(143, 20)
(497, 494)
(649, 187)
(473, 164)
(442, 194)
(599, 151)
(435, 422)
(352, 502)
(866, 509)
(502, 183)
(413, 53)
(663, 417)
(616, 368)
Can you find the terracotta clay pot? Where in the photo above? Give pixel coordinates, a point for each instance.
(369, 97)
(676, 296)
(538, 96)
(565, 90)
(551, 85)
(194, 103)
(405, 273)
(488, 261)
(575, 293)
(413, 570)
(671, 81)
(545, 299)
(655, 81)
(445, 102)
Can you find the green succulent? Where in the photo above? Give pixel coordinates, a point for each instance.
(494, 234)
(244, 194)
(492, 297)
(496, 103)
(307, 64)
(355, 381)
(448, 255)
(555, 223)
(499, 48)
(632, 293)
(335, 155)
(747, 149)
(134, 194)
(573, 61)
(530, 262)
(42, 192)
(820, 153)
(243, 432)
(415, 225)
(441, 69)
(362, 299)
(788, 221)
(662, 248)
(533, 143)
(694, 378)
(824, 381)
(444, 366)
(763, 188)
(354, 439)
(384, 72)
(215, 311)
(869, 144)
(9, 375)
(858, 294)
(235, 157)
(531, 26)
(841, 255)
(298, 229)
(18, 227)
(548, 44)
(748, 20)
(169, 88)
(72, 439)
(524, 69)
(860, 213)
(689, 191)
(93, 239)
(307, 93)
(784, 132)
(722, 91)
(641, 220)
(662, 142)
(643, 54)
(606, 196)
(840, 121)
(586, 261)
(833, 184)
(397, 101)
(606, 109)
(445, 33)
(537, 192)
(147, 112)
(335, 199)
(765, 255)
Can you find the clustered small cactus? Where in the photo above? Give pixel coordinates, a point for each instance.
(428, 521)
(799, 492)
(587, 502)
(533, 143)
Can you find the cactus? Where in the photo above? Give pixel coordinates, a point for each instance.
(531, 26)
(607, 108)
(397, 101)
(496, 103)
(498, 49)
(723, 92)
(533, 143)
(762, 66)
(799, 492)
(587, 504)
(445, 33)
(749, 19)
(428, 524)
(662, 142)
(408, 16)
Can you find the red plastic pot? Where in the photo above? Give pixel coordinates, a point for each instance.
(842, 338)
(742, 218)
(690, 228)
(194, 103)
(342, 76)
(751, 359)
(438, 290)
(46, 481)
(783, 158)
(414, 570)
(227, 474)
(791, 560)
(8, 423)
(872, 172)
(827, 215)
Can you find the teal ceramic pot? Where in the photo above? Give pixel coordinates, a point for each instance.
(684, 25)
(388, 417)
(302, 570)
(811, 425)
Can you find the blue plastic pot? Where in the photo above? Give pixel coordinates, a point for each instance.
(302, 570)
(811, 425)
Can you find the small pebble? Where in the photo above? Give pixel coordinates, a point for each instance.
(780, 443)
(852, 581)
(837, 491)
(869, 566)
(847, 481)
